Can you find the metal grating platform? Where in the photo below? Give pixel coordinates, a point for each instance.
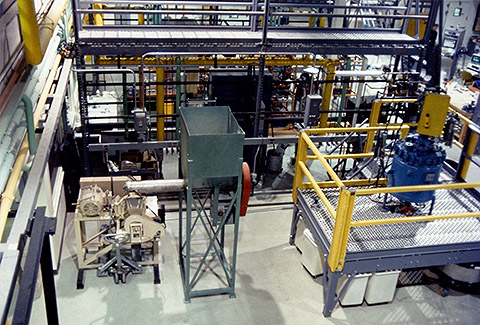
(111, 40)
(405, 235)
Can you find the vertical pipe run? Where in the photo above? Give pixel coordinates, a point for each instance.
(160, 103)
(142, 88)
(125, 102)
(29, 27)
(97, 18)
(253, 18)
(327, 94)
(361, 86)
(440, 38)
(258, 102)
(344, 92)
(177, 98)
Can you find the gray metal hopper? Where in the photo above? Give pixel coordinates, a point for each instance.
(211, 146)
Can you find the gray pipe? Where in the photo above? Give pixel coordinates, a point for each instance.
(156, 186)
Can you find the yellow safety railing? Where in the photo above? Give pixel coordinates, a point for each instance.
(375, 115)
(346, 202)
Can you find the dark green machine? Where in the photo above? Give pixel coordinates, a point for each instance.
(211, 157)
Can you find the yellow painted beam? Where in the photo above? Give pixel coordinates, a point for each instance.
(377, 222)
(472, 144)
(298, 178)
(344, 156)
(419, 188)
(97, 18)
(341, 229)
(356, 129)
(348, 183)
(327, 94)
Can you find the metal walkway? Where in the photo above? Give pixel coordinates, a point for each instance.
(401, 235)
(111, 40)
(299, 27)
(392, 246)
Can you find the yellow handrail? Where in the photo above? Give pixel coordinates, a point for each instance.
(376, 222)
(417, 188)
(317, 189)
(344, 156)
(344, 211)
(320, 157)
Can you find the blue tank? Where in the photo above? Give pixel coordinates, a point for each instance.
(417, 161)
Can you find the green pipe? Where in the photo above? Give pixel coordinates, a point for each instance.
(32, 142)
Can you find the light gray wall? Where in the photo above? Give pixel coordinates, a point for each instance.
(467, 18)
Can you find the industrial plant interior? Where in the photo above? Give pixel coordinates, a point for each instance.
(239, 162)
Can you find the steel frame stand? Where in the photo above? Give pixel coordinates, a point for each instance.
(119, 266)
(293, 227)
(329, 278)
(215, 232)
(38, 255)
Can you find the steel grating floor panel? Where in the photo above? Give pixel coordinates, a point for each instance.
(325, 36)
(405, 235)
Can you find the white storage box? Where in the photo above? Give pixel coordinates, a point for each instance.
(312, 256)
(353, 295)
(381, 287)
(299, 237)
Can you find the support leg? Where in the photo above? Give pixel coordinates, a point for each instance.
(80, 279)
(293, 227)
(156, 275)
(330, 292)
(188, 235)
(48, 282)
(431, 206)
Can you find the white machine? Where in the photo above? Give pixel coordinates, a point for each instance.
(452, 40)
(474, 66)
(129, 230)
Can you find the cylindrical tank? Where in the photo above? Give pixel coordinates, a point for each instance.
(418, 160)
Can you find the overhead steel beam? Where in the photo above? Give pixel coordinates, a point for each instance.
(150, 145)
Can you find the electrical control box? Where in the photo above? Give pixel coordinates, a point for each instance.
(434, 113)
(312, 111)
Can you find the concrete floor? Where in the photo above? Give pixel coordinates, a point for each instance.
(272, 285)
(272, 288)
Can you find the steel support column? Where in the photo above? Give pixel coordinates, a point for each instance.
(38, 254)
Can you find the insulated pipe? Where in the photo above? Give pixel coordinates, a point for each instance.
(327, 94)
(30, 33)
(35, 37)
(8, 195)
(156, 186)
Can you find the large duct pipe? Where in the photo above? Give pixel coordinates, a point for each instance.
(156, 186)
(35, 37)
(30, 34)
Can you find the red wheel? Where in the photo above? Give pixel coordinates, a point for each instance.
(247, 186)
